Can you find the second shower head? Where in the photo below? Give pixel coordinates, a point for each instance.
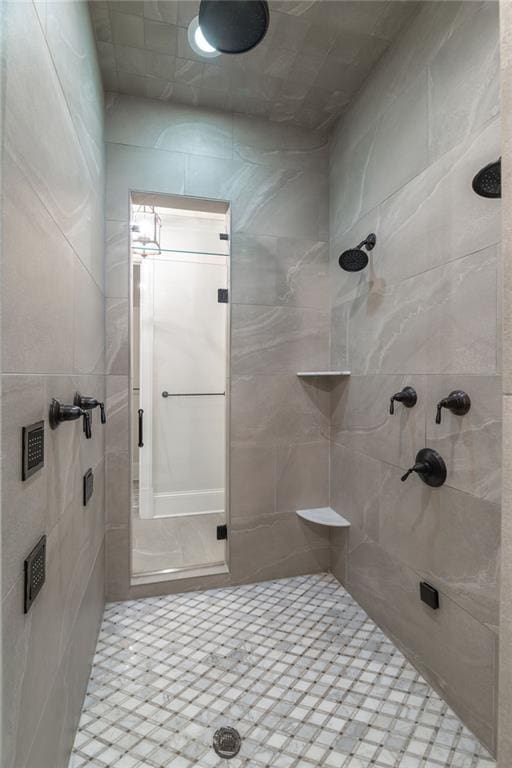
(355, 259)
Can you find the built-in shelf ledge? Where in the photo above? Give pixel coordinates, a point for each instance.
(305, 374)
(324, 516)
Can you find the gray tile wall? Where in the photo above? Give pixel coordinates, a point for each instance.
(53, 340)
(505, 668)
(275, 178)
(425, 313)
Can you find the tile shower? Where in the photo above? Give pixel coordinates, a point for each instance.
(315, 645)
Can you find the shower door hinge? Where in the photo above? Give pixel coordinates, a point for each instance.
(223, 236)
(222, 295)
(222, 532)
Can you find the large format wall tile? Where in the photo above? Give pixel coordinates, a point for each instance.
(285, 203)
(275, 546)
(454, 651)
(448, 537)
(390, 153)
(505, 658)
(428, 323)
(279, 271)
(426, 312)
(33, 247)
(89, 323)
(278, 145)
(54, 736)
(118, 423)
(55, 163)
(361, 420)
(278, 340)
(302, 476)
(437, 217)
(26, 514)
(464, 80)
(117, 341)
(280, 408)
(169, 126)
(433, 25)
(116, 259)
(53, 340)
(253, 472)
(140, 169)
(70, 37)
(356, 481)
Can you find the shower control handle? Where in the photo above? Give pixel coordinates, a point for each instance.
(141, 427)
(420, 467)
(407, 396)
(429, 466)
(88, 403)
(59, 413)
(457, 402)
(87, 424)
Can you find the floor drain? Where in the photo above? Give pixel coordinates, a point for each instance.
(227, 742)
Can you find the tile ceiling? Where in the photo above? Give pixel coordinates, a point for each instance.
(314, 58)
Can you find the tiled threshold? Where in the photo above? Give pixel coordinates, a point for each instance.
(176, 574)
(295, 665)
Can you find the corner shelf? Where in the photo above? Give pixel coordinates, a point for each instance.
(323, 516)
(311, 374)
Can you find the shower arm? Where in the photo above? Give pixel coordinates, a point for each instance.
(368, 243)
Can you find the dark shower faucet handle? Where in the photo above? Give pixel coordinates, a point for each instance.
(407, 396)
(87, 424)
(457, 402)
(418, 467)
(429, 466)
(88, 403)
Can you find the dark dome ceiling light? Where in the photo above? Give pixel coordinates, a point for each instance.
(234, 26)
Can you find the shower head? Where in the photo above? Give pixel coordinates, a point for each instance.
(355, 259)
(487, 182)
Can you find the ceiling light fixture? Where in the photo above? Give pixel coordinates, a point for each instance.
(198, 41)
(234, 26)
(146, 226)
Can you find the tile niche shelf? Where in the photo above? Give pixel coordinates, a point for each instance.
(323, 516)
(316, 374)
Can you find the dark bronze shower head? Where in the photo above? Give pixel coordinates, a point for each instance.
(487, 182)
(355, 259)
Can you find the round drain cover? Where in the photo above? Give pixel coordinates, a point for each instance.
(227, 742)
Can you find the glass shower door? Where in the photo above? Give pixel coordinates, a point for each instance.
(183, 369)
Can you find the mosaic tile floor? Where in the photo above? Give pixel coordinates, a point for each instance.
(295, 665)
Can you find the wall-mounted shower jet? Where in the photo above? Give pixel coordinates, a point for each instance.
(487, 182)
(355, 259)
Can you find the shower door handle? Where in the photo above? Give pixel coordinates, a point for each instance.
(141, 428)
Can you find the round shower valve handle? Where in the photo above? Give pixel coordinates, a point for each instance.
(457, 402)
(59, 413)
(407, 396)
(429, 466)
